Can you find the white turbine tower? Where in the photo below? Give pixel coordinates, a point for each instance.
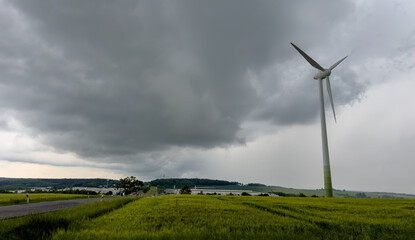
(323, 74)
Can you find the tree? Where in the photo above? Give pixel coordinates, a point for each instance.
(146, 189)
(130, 184)
(361, 195)
(185, 190)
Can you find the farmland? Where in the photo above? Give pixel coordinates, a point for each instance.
(231, 217)
(12, 198)
(221, 217)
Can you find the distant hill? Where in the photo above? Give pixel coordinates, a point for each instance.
(12, 184)
(283, 191)
(23, 183)
(258, 187)
(191, 182)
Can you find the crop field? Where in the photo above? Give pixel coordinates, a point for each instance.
(13, 198)
(232, 217)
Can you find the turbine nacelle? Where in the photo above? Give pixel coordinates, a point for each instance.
(322, 74)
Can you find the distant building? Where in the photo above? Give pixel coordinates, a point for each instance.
(172, 191)
(212, 191)
(273, 195)
(114, 191)
(45, 189)
(222, 191)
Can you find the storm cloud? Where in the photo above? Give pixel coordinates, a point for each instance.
(123, 78)
(167, 84)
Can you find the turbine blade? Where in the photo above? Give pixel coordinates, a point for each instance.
(337, 63)
(308, 58)
(330, 96)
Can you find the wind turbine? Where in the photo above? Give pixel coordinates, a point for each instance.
(323, 73)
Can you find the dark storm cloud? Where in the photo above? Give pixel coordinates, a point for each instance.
(101, 79)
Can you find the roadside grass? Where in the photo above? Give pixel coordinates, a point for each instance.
(151, 192)
(7, 199)
(41, 226)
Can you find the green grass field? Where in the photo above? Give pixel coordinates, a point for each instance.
(13, 198)
(231, 217)
(221, 217)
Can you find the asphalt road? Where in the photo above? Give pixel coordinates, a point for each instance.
(24, 209)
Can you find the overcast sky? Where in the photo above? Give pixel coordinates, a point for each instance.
(208, 89)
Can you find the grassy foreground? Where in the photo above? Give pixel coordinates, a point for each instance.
(231, 217)
(42, 226)
(19, 198)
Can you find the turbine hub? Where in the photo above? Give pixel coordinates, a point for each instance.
(322, 74)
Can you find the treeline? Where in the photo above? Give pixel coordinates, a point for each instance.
(24, 183)
(67, 191)
(256, 185)
(12, 184)
(179, 182)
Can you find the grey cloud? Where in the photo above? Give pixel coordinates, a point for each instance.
(107, 79)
